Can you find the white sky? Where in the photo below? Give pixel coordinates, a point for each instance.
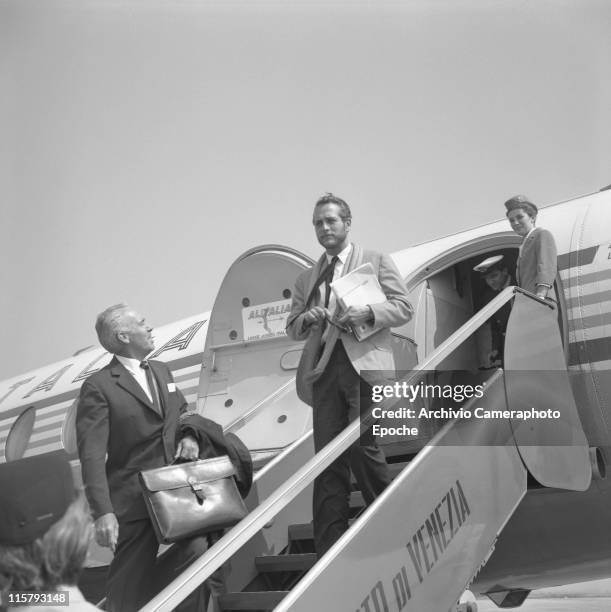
(144, 145)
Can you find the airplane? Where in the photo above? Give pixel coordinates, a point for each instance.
(500, 505)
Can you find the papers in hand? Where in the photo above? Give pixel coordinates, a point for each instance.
(359, 288)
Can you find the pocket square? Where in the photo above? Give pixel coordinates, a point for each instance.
(171, 387)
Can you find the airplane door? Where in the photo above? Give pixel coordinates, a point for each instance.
(548, 433)
(249, 363)
(448, 307)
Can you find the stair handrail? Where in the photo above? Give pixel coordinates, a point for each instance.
(194, 575)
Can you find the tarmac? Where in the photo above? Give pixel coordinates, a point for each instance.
(566, 604)
(583, 597)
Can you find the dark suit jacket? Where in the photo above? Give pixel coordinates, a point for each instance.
(372, 353)
(538, 261)
(115, 418)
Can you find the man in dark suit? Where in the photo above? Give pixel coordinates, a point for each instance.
(127, 421)
(330, 374)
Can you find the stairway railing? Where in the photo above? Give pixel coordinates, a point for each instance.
(235, 538)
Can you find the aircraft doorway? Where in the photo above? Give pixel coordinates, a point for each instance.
(449, 296)
(444, 300)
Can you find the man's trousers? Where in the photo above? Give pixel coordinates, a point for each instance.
(340, 396)
(136, 574)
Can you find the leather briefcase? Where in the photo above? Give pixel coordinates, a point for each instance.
(190, 499)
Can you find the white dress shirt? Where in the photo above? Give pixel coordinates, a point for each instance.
(342, 257)
(337, 273)
(133, 367)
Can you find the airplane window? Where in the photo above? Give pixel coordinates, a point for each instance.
(290, 360)
(19, 435)
(69, 429)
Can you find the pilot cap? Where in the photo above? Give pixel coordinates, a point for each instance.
(521, 201)
(36, 492)
(490, 264)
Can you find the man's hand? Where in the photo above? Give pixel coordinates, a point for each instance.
(316, 315)
(355, 315)
(188, 449)
(106, 530)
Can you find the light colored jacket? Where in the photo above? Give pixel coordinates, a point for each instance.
(538, 261)
(372, 353)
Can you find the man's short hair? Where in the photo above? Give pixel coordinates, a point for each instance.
(329, 198)
(108, 325)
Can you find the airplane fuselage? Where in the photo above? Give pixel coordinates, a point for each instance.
(555, 536)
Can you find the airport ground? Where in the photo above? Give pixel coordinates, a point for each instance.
(583, 597)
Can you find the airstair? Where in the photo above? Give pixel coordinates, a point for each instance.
(423, 541)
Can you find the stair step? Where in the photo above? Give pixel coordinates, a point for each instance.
(402, 449)
(301, 531)
(285, 563)
(305, 531)
(393, 468)
(251, 600)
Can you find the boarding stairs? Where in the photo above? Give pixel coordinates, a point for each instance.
(424, 539)
(278, 574)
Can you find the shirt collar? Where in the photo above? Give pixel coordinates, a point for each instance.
(342, 255)
(133, 365)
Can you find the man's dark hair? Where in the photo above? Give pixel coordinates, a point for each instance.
(329, 198)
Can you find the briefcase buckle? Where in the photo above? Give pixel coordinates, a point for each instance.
(196, 487)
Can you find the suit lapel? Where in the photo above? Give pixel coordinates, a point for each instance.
(352, 262)
(355, 259)
(127, 382)
(316, 272)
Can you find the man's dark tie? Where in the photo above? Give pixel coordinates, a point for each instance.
(329, 278)
(152, 386)
(326, 273)
(326, 276)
